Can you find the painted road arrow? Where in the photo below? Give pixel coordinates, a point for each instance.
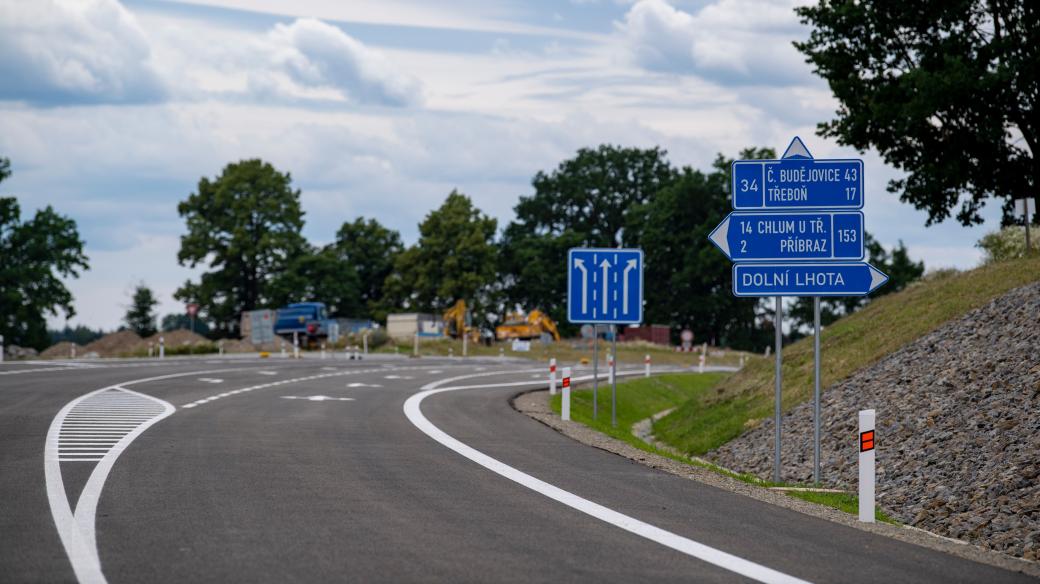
(790, 236)
(798, 279)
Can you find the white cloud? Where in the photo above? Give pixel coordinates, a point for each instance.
(320, 56)
(67, 51)
(732, 42)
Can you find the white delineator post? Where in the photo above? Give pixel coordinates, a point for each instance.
(866, 466)
(220, 348)
(646, 362)
(700, 365)
(451, 353)
(465, 343)
(162, 348)
(552, 376)
(1, 348)
(323, 350)
(151, 350)
(415, 347)
(565, 407)
(295, 345)
(364, 341)
(610, 368)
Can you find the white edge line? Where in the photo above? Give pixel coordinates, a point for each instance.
(727, 561)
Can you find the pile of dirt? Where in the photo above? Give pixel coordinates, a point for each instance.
(237, 346)
(116, 344)
(177, 338)
(63, 350)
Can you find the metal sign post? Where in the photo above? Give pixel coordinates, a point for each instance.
(778, 325)
(816, 391)
(595, 371)
(797, 220)
(613, 376)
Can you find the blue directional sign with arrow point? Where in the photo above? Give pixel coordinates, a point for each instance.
(605, 285)
(768, 236)
(800, 279)
(797, 181)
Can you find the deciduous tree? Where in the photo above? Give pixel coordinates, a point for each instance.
(945, 90)
(245, 227)
(35, 256)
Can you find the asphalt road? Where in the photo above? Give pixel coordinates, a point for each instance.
(242, 470)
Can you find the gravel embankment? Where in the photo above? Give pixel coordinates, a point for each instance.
(958, 424)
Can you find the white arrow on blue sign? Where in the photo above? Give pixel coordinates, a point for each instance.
(767, 236)
(605, 285)
(797, 181)
(802, 279)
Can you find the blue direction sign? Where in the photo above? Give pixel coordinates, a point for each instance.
(797, 181)
(800, 279)
(605, 286)
(790, 236)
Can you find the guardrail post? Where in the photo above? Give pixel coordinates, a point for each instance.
(867, 439)
(552, 376)
(565, 407)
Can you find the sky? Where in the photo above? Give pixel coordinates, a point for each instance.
(111, 111)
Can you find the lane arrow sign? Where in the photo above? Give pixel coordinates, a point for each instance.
(631, 265)
(580, 264)
(606, 266)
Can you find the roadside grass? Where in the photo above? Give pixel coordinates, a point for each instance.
(569, 352)
(638, 399)
(741, 401)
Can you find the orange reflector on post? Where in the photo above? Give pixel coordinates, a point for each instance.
(866, 441)
(566, 381)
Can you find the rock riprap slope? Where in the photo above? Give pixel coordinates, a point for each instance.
(958, 422)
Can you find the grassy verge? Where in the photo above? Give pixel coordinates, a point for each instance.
(742, 400)
(569, 351)
(638, 399)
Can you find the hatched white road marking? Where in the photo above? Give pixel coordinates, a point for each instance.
(716, 557)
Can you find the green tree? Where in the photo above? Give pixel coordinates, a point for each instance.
(140, 316)
(319, 275)
(35, 256)
(245, 227)
(588, 200)
(945, 90)
(370, 249)
(454, 259)
(81, 335)
(901, 271)
(689, 281)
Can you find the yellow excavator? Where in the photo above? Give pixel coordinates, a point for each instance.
(518, 326)
(455, 323)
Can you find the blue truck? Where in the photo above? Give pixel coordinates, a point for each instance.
(310, 320)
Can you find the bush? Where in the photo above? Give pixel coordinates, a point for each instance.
(1007, 244)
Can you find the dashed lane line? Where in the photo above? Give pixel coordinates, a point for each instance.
(716, 557)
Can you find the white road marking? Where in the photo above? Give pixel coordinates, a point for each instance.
(716, 557)
(356, 384)
(76, 526)
(267, 372)
(211, 380)
(318, 398)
